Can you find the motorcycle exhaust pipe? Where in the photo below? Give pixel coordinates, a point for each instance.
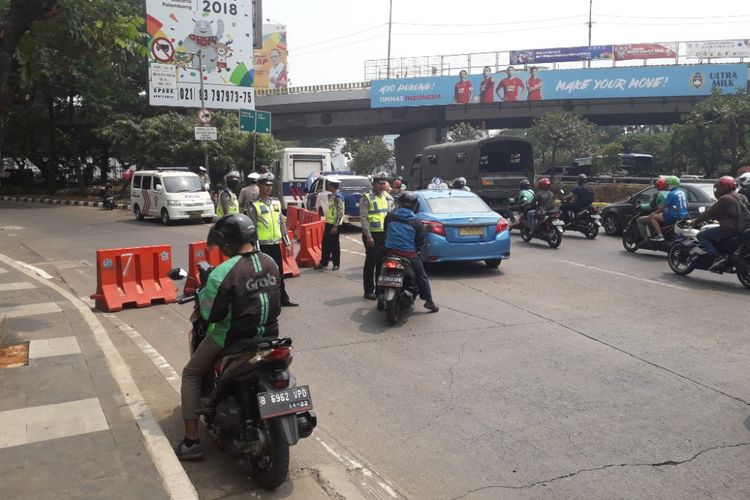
(306, 422)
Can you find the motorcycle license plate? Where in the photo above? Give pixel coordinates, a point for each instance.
(284, 402)
(390, 281)
(471, 231)
(596, 216)
(558, 222)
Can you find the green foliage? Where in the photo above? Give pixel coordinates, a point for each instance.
(368, 154)
(561, 133)
(464, 131)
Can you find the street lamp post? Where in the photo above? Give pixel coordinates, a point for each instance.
(390, 24)
(590, 6)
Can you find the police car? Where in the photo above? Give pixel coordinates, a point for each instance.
(352, 187)
(461, 227)
(170, 194)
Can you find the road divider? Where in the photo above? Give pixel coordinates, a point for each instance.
(310, 244)
(199, 252)
(291, 270)
(292, 217)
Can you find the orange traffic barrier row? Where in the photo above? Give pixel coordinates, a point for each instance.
(310, 244)
(305, 217)
(290, 265)
(198, 252)
(292, 215)
(133, 276)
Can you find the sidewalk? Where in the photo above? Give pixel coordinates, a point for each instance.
(67, 428)
(51, 201)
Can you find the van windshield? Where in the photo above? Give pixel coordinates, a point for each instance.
(183, 184)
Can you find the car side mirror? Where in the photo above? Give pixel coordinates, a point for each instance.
(177, 274)
(701, 210)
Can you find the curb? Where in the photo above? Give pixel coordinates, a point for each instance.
(76, 203)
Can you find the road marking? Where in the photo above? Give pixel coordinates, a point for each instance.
(174, 478)
(39, 272)
(29, 310)
(157, 359)
(623, 275)
(355, 240)
(3, 271)
(60, 346)
(11, 228)
(21, 285)
(355, 253)
(42, 423)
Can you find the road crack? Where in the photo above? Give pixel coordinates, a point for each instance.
(666, 463)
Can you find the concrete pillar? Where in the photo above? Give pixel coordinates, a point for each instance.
(406, 146)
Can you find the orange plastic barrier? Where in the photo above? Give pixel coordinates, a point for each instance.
(290, 265)
(292, 215)
(198, 252)
(133, 276)
(310, 244)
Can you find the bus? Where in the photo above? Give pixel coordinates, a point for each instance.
(291, 169)
(493, 167)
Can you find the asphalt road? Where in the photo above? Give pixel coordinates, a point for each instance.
(581, 372)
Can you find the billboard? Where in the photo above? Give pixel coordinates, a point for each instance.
(718, 48)
(645, 51)
(589, 83)
(187, 34)
(564, 54)
(271, 60)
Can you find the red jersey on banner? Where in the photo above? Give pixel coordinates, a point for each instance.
(534, 86)
(512, 87)
(462, 93)
(485, 89)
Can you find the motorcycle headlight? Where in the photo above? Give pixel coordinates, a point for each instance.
(174, 203)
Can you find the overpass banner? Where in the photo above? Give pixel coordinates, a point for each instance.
(561, 54)
(718, 48)
(589, 83)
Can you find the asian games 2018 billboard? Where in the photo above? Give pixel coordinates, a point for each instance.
(186, 35)
(271, 60)
(533, 85)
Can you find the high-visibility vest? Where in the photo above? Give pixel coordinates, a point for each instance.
(331, 210)
(269, 225)
(377, 212)
(234, 206)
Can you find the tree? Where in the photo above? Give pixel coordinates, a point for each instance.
(562, 132)
(464, 131)
(368, 154)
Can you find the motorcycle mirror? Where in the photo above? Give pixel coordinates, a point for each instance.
(177, 274)
(701, 210)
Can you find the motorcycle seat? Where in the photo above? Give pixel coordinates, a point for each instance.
(255, 344)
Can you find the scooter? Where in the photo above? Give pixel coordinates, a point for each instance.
(688, 254)
(108, 199)
(632, 239)
(252, 407)
(396, 288)
(587, 221)
(549, 227)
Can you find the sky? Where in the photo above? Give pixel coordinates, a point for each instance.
(329, 40)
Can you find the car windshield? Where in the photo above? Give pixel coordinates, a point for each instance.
(457, 205)
(708, 189)
(183, 184)
(358, 185)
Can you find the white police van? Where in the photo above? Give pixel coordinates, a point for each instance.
(170, 194)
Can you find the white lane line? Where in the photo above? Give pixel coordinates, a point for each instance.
(355, 240)
(157, 359)
(174, 478)
(352, 251)
(3, 271)
(11, 228)
(47, 348)
(39, 272)
(623, 275)
(42, 423)
(29, 310)
(21, 285)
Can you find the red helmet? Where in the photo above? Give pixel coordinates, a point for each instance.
(544, 183)
(396, 184)
(724, 185)
(661, 184)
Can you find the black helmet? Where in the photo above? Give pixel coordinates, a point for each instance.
(408, 199)
(582, 179)
(459, 182)
(231, 232)
(524, 184)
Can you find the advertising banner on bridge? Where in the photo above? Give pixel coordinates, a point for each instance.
(561, 54)
(645, 51)
(184, 32)
(271, 60)
(718, 49)
(589, 83)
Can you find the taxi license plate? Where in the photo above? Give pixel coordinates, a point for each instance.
(471, 231)
(390, 280)
(285, 402)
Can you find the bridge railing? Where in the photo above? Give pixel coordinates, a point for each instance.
(306, 89)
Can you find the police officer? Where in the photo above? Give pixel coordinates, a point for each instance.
(334, 219)
(265, 212)
(373, 207)
(228, 203)
(203, 174)
(249, 193)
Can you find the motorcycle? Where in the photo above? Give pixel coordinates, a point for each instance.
(687, 255)
(252, 407)
(587, 221)
(549, 227)
(396, 288)
(632, 239)
(108, 199)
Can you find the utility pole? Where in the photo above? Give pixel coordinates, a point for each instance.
(390, 25)
(203, 105)
(590, 6)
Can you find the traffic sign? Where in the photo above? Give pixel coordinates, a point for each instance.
(205, 116)
(162, 49)
(255, 121)
(205, 133)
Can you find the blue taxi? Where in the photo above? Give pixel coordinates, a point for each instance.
(461, 227)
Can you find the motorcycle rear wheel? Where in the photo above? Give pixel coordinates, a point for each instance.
(272, 468)
(393, 310)
(744, 276)
(679, 260)
(592, 231)
(554, 238)
(630, 239)
(526, 234)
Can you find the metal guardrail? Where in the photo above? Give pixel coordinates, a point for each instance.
(329, 87)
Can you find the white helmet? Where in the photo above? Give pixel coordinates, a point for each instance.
(333, 179)
(253, 176)
(744, 180)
